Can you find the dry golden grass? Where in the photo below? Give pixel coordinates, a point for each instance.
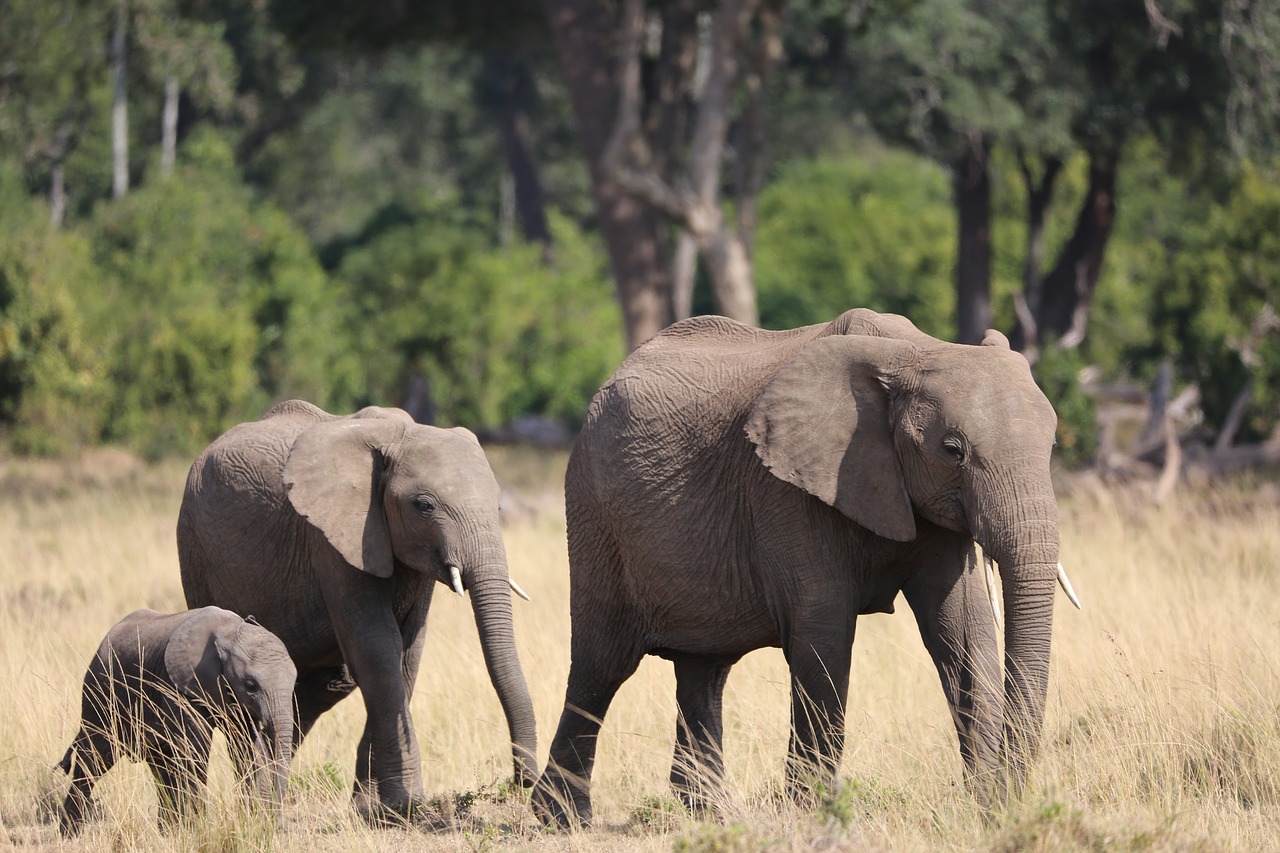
(1163, 728)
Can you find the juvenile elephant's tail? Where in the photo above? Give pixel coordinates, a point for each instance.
(65, 764)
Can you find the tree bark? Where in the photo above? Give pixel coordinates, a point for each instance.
(120, 105)
(582, 31)
(973, 258)
(511, 91)
(169, 127)
(627, 158)
(1068, 289)
(62, 141)
(1039, 196)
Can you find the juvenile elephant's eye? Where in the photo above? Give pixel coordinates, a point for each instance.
(954, 447)
(252, 685)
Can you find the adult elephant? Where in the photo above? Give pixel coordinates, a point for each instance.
(734, 488)
(333, 532)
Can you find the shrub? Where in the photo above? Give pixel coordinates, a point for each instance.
(871, 231)
(495, 331)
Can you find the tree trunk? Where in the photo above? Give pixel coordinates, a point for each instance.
(169, 127)
(973, 259)
(683, 270)
(57, 173)
(1068, 289)
(1039, 196)
(511, 90)
(120, 106)
(728, 264)
(583, 31)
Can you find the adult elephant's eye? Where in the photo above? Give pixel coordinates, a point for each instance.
(953, 446)
(251, 685)
(424, 504)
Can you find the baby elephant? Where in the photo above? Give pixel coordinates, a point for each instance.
(155, 690)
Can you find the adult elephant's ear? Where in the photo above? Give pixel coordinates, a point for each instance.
(823, 424)
(334, 477)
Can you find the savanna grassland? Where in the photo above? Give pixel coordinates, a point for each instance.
(1163, 726)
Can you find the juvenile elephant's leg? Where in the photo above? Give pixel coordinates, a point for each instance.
(366, 793)
(697, 770)
(819, 652)
(91, 755)
(948, 596)
(373, 649)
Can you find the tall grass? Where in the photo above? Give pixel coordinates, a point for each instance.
(1163, 726)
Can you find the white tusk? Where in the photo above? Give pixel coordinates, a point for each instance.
(456, 578)
(989, 573)
(1065, 583)
(515, 587)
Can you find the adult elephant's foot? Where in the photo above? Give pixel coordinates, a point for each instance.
(416, 814)
(560, 803)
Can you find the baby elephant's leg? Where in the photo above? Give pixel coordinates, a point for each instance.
(180, 764)
(90, 755)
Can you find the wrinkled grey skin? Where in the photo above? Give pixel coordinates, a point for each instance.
(734, 488)
(334, 532)
(158, 686)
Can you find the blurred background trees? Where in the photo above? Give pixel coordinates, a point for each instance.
(474, 209)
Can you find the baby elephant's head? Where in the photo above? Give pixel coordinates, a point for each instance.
(242, 674)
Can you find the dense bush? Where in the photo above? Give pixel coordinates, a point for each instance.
(496, 332)
(1215, 300)
(216, 307)
(52, 383)
(874, 231)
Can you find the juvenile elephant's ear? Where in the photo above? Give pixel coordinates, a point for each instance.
(334, 477)
(823, 424)
(192, 658)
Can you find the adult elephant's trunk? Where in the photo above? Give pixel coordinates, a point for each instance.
(491, 600)
(1023, 539)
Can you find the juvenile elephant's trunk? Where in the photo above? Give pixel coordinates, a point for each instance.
(1026, 547)
(491, 601)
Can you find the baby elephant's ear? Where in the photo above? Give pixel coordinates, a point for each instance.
(192, 658)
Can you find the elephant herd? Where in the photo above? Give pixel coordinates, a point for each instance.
(731, 488)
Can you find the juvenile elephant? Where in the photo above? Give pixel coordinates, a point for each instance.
(734, 488)
(158, 686)
(334, 531)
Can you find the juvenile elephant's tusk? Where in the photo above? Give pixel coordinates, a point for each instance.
(989, 573)
(455, 578)
(515, 587)
(1065, 583)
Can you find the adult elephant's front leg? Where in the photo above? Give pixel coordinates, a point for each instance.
(819, 651)
(388, 773)
(947, 593)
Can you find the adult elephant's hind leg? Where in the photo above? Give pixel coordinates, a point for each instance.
(697, 769)
(605, 650)
(563, 794)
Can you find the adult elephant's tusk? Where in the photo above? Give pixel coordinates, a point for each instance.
(989, 573)
(515, 587)
(455, 578)
(1065, 583)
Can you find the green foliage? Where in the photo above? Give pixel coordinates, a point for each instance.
(495, 331)
(1213, 298)
(52, 385)
(874, 231)
(227, 308)
(1058, 373)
